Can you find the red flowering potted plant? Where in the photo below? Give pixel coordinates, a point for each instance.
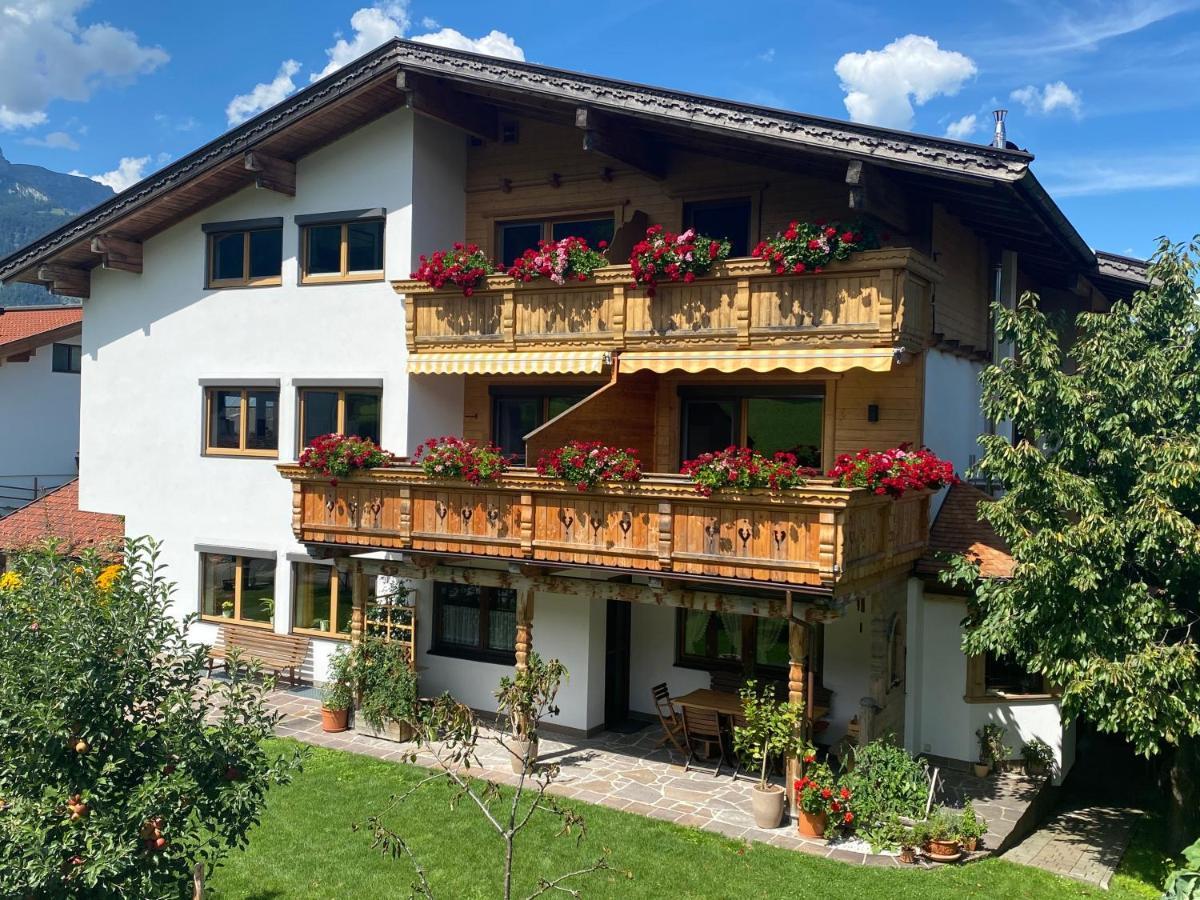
(459, 459)
(809, 247)
(586, 463)
(567, 259)
(893, 472)
(464, 265)
(740, 468)
(337, 455)
(817, 794)
(666, 256)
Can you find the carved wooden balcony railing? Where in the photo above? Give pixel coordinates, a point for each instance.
(819, 536)
(878, 298)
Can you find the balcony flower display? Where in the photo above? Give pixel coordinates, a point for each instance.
(740, 468)
(464, 265)
(337, 455)
(586, 463)
(809, 247)
(894, 471)
(666, 256)
(459, 459)
(568, 259)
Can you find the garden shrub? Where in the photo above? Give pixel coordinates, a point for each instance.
(886, 783)
(113, 782)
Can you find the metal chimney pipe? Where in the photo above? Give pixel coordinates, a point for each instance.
(1000, 137)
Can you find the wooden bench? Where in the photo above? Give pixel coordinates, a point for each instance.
(276, 653)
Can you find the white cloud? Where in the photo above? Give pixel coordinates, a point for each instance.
(1053, 97)
(129, 171)
(46, 55)
(963, 128)
(263, 94)
(768, 55)
(1121, 173)
(494, 43)
(1079, 27)
(55, 140)
(882, 85)
(430, 24)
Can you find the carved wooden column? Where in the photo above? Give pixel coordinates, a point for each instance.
(797, 677)
(524, 640)
(358, 603)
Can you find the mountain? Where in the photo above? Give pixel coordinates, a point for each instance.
(34, 201)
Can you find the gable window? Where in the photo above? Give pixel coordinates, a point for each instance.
(475, 622)
(764, 419)
(341, 246)
(67, 358)
(241, 421)
(237, 588)
(731, 642)
(728, 219)
(323, 600)
(518, 411)
(351, 411)
(245, 254)
(514, 238)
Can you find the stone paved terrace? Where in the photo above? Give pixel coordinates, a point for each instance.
(629, 772)
(1085, 843)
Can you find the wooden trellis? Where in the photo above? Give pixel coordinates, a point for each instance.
(388, 612)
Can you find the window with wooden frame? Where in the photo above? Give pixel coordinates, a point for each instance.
(516, 411)
(237, 588)
(515, 237)
(241, 421)
(727, 219)
(341, 246)
(474, 622)
(992, 678)
(350, 411)
(765, 419)
(729, 642)
(323, 601)
(245, 254)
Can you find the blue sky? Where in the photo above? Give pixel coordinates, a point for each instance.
(1107, 95)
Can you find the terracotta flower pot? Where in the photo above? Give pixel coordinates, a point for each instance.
(970, 844)
(334, 719)
(812, 824)
(519, 751)
(908, 855)
(768, 805)
(944, 848)
(982, 770)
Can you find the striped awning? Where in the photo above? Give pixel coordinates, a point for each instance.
(591, 362)
(801, 359)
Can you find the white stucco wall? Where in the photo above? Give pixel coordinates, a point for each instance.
(652, 657)
(152, 338)
(846, 668)
(939, 720)
(39, 422)
(953, 420)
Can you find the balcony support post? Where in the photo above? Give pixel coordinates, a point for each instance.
(358, 603)
(523, 645)
(741, 302)
(798, 661)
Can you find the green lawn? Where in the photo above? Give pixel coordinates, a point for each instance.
(305, 848)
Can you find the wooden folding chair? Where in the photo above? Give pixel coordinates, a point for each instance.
(672, 725)
(703, 726)
(736, 720)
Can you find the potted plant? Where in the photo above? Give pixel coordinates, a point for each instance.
(771, 731)
(944, 845)
(337, 455)
(587, 463)
(464, 265)
(810, 246)
(991, 748)
(815, 795)
(382, 673)
(893, 472)
(227, 609)
(970, 827)
(666, 256)
(567, 259)
(1039, 758)
(335, 693)
(742, 469)
(521, 700)
(460, 459)
(910, 840)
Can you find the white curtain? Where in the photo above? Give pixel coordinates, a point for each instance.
(732, 623)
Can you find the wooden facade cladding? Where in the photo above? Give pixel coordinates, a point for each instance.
(878, 298)
(820, 538)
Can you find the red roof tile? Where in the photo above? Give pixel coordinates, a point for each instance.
(19, 324)
(58, 515)
(958, 529)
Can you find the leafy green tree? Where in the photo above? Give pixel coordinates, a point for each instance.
(123, 770)
(1101, 509)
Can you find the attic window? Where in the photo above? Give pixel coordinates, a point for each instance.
(348, 247)
(510, 133)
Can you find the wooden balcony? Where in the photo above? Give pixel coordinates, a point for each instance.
(820, 537)
(878, 298)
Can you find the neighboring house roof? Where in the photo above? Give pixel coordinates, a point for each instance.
(959, 529)
(989, 187)
(24, 328)
(57, 515)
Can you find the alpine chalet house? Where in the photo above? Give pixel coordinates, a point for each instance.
(258, 294)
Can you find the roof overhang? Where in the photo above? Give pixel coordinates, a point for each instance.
(41, 339)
